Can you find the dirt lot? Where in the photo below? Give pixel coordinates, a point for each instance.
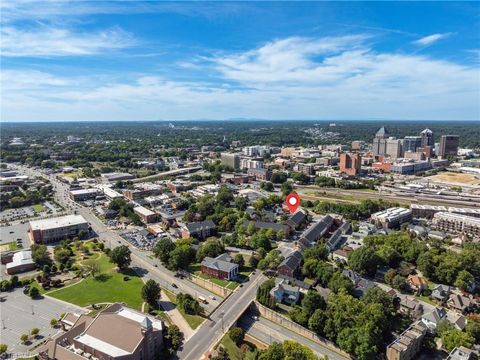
(455, 178)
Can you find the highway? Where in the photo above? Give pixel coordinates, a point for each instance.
(167, 173)
(142, 262)
(212, 330)
(268, 332)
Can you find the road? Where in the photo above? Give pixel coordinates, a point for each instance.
(268, 332)
(211, 331)
(142, 261)
(167, 173)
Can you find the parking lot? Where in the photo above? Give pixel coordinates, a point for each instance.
(20, 314)
(13, 233)
(141, 239)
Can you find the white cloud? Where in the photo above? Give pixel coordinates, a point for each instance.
(45, 41)
(430, 39)
(293, 78)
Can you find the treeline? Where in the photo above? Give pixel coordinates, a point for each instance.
(360, 211)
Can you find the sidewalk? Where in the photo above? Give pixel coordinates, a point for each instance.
(175, 316)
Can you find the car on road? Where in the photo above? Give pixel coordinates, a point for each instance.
(174, 286)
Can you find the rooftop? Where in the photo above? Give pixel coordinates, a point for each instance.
(57, 222)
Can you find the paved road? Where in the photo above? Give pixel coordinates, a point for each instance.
(211, 331)
(175, 316)
(268, 332)
(167, 173)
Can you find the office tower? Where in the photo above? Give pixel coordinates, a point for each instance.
(427, 138)
(380, 141)
(411, 143)
(350, 164)
(448, 145)
(394, 148)
(232, 160)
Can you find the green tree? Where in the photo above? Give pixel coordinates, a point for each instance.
(34, 292)
(399, 282)
(286, 188)
(211, 248)
(364, 260)
(162, 249)
(40, 255)
(53, 322)
(316, 321)
(455, 338)
(34, 332)
(92, 266)
(121, 257)
(151, 293)
(3, 349)
(174, 339)
(339, 281)
(311, 302)
(238, 259)
(181, 257)
(24, 338)
(464, 280)
(237, 335)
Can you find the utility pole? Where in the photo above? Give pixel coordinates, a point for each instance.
(221, 316)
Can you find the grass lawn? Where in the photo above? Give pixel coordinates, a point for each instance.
(12, 246)
(232, 285)
(38, 208)
(193, 320)
(108, 286)
(234, 352)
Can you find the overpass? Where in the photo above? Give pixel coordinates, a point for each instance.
(167, 173)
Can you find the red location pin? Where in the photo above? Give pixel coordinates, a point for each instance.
(293, 201)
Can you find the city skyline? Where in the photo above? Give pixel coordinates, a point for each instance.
(74, 61)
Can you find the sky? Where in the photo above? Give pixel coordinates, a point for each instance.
(132, 60)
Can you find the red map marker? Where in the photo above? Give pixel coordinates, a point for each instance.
(293, 201)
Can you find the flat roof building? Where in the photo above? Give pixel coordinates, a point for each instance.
(21, 261)
(392, 218)
(456, 223)
(57, 228)
(147, 216)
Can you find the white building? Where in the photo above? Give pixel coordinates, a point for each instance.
(392, 217)
(457, 223)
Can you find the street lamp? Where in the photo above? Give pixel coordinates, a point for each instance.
(221, 316)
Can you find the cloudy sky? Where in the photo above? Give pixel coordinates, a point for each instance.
(93, 60)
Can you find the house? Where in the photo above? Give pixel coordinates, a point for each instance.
(457, 320)
(432, 318)
(290, 266)
(460, 303)
(199, 230)
(220, 267)
(361, 284)
(410, 307)
(441, 292)
(117, 332)
(461, 353)
(341, 255)
(296, 219)
(417, 283)
(284, 292)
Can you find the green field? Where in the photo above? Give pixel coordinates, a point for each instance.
(232, 285)
(12, 246)
(193, 320)
(234, 352)
(108, 286)
(38, 208)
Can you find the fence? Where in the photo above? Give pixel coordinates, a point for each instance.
(272, 315)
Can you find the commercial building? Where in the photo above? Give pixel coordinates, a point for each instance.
(307, 169)
(230, 159)
(448, 145)
(260, 174)
(147, 216)
(83, 194)
(56, 229)
(251, 163)
(426, 211)
(220, 267)
(350, 164)
(358, 145)
(112, 177)
(410, 168)
(21, 261)
(408, 344)
(427, 138)
(391, 218)
(118, 332)
(256, 150)
(394, 148)
(199, 230)
(379, 146)
(411, 143)
(456, 223)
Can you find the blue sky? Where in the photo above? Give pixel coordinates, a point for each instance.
(92, 60)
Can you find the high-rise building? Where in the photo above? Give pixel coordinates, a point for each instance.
(380, 141)
(427, 138)
(411, 143)
(448, 145)
(350, 164)
(394, 148)
(232, 160)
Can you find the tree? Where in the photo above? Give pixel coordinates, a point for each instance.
(263, 293)
(211, 248)
(188, 304)
(311, 302)
(24, 338)
(121, 256)
(286, 188)
(40, 255)
(35, 332)
(389, 275)
(162, 249)
(181, 257)
(92, 266)
(53, 322)
(174, 338)
(34, 292)
(3, 349)
(464, 280)
(238, 259)
(473, 328)
(455, 338)
(364, 261)
(316, 321)
(309, 268)
(339, 281)
(399, 282)
(237, 335)
(274, 352)
(151, 292)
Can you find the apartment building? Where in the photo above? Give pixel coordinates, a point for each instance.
(350, 164)
(408, 344)
(457, 223)
(448, 145)
(230, 159)
(391, 218)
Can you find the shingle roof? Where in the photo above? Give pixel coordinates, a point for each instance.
(297, 218)
(292, 261)
(318, 229)
(267, 225)
(219, 264)
(199, 226)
